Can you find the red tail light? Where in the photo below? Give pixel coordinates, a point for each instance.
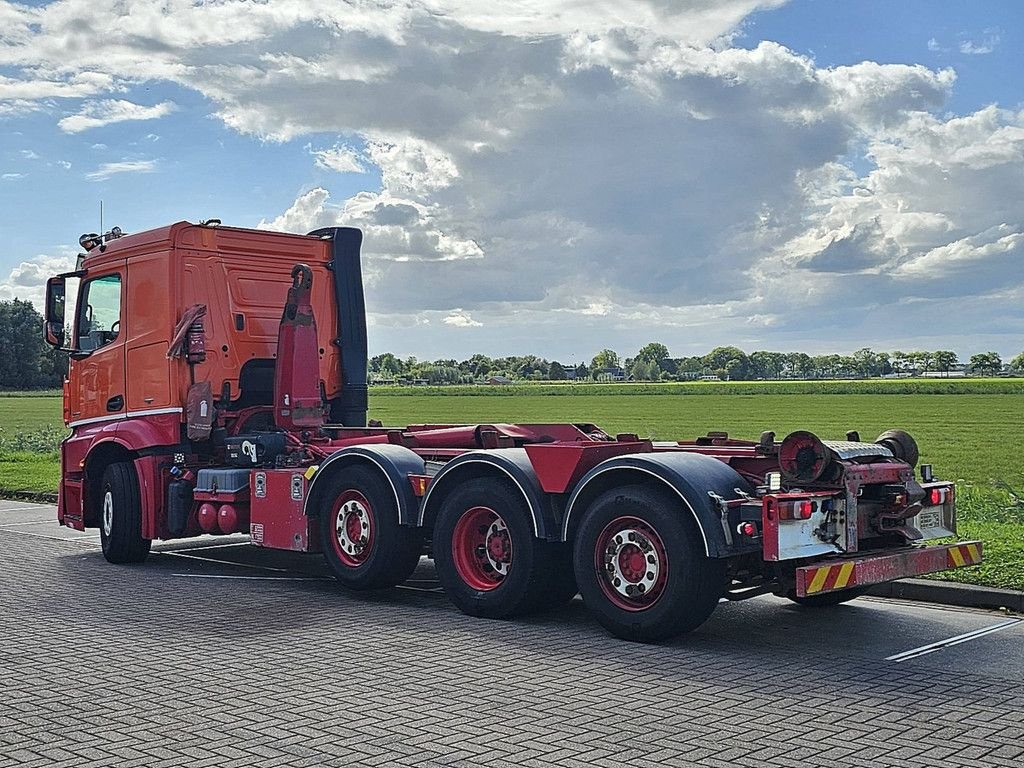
(797, 510)
(939, 496)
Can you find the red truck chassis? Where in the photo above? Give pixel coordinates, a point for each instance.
(219, 419)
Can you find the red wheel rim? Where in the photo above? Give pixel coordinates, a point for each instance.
(482, 548)
(352, 518)
(631, 562)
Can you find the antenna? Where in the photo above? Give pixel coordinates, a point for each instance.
(101, 218)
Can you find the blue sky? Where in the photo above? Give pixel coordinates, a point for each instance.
(553, 177)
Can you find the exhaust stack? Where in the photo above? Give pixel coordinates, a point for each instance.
(349, 408)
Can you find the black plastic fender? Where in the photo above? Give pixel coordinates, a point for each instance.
(394, 462)
(510, 463)
(690, 476)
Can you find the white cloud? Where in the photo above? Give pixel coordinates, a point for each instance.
(988, 43)
(340, 158)
(568, 169)
(110, 111)
(12, 176)
(461, 319)
(107, 170)
(27, 280)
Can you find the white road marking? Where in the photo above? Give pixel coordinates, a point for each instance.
(81, 535)
(951, 641)
(222, 562)
(51, 521)
(252, 578)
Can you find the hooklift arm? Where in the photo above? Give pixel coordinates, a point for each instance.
(297, 402)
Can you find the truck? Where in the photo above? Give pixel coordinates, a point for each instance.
(217, 385)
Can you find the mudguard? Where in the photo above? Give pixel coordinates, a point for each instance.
(394, 462)
(690, 476)
(510, 463)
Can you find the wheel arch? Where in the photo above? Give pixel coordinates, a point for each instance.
(100, 456)
(510, 464)
(689, 477)
(393, 463)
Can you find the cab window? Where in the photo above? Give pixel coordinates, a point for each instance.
(99, 313)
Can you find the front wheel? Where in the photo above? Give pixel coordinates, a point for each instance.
(641, 567)
(121, 515)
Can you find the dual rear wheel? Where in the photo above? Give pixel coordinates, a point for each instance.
(488, 558)
(641, 566)
(362, 541)
(638, 562)
(637, 559)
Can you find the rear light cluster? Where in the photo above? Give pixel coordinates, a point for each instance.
(939, 496)
(797, 510)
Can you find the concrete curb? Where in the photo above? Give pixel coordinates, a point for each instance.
(951, 593)
(33, 496)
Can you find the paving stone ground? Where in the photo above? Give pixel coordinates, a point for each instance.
(157, 665)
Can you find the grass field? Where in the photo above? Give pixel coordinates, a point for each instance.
(968, 434)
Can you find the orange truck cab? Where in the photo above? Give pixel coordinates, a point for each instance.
(125, 396)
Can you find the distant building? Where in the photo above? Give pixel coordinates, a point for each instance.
(496, 381)
(609, 374)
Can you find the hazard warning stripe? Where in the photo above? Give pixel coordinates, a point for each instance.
(877, 567)
(963, 554)
(830, 577)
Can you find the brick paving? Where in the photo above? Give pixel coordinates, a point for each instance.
(137, 666)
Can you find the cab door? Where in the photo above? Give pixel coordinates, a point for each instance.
(96, 374)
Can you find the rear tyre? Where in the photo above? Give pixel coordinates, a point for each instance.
(488, 560)
(829, 599)
(362, 541)
(641, 568)
(121, 515)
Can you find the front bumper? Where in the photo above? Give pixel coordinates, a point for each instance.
(875, 569)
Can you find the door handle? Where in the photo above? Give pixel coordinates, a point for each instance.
(115, 403)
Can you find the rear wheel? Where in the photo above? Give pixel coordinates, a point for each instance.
(829, 599)
(360, 535)
(488, 560)
(121, 515)
(641, 567)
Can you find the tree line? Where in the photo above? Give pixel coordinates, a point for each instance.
(27, 362)
(653, 362)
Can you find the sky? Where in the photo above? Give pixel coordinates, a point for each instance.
(552, 177)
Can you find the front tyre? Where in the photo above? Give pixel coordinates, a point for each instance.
(641, 567)
(360, 535)
(121, 515)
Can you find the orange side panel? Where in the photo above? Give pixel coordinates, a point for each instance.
(244, 284)
(148, 324)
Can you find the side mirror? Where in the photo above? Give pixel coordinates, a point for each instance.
(53, 326)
